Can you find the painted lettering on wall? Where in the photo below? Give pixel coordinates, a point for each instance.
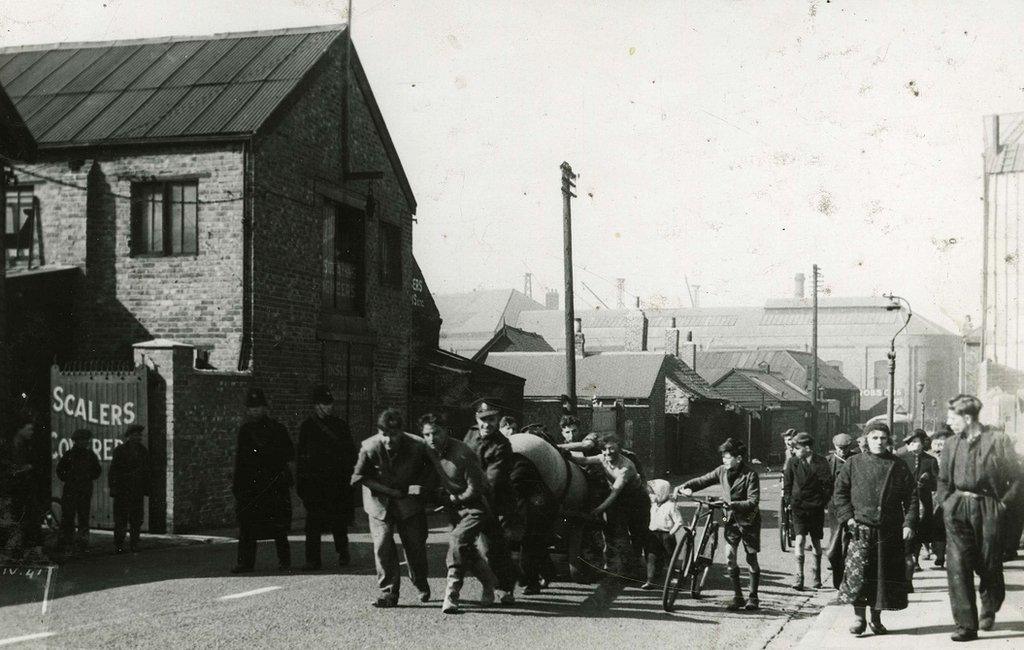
(103, 447)
(92, 412)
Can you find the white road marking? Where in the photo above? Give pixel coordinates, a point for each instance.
(244, 594)
(28, 637)
(46, 589)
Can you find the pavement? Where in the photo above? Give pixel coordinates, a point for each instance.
(926, 623)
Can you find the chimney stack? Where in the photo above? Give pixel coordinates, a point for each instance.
(578, 338)
(696, 296)
(693, 350)
(551, 300)
(636, 331)
(765, 368)
(672, 339)
(798, 289)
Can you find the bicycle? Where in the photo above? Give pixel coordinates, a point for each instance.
(786, 534)
(694, 553)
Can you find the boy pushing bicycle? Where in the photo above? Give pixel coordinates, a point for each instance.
(742, 493)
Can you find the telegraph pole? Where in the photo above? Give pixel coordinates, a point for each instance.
(570, 313)
(814, 354)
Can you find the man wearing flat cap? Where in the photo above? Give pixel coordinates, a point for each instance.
(926, 474)
(843, 447)
(807, 487)
(79, 467)
(325, 458)
(128, 480)
(495, 453)
(262, 484)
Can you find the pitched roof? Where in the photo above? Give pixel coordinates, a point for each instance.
(794, 365)
(16, 142)
(469, 320)
(750, 388)
(516, 340)
(1010, 156)
(627, 375)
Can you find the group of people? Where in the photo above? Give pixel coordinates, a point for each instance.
(962, 501)
(21, 508)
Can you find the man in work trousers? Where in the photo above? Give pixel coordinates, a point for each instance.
(395, 470)
(979, 476)
(495, 454)
(926, 473)
(128, 481)
(323, 469)
(807, 487)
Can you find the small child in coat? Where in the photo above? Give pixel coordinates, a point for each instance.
(78, 468)
(664, 522)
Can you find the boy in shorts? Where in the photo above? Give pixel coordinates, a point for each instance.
(807, 487)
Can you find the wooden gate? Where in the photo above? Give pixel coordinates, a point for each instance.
(105, 401)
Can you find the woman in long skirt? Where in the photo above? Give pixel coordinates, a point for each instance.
(879, 520)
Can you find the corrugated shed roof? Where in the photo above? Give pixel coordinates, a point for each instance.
(228, 84)
(748, 387)
(794, 365)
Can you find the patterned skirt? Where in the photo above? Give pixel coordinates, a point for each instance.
(875, 574)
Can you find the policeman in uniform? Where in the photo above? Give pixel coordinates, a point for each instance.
(925, 470)
(262, 484)
(326, 457)
(979, 476)
(495, 454)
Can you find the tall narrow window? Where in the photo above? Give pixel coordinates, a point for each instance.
(390, 254)
(165, 218)
(881, 375)
(19, 222)
(344, 266)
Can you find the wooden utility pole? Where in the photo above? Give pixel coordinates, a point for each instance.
(570, 313)
(814, 354)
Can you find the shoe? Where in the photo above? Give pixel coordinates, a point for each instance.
(738, 603)
(963, 634)
(506, 598)
(939, 564)
(798, 584)
(425, 596)
(987, 622)
(858, 627)
(310, 566)
(878, 628)
(385, 601)
(545, 582)
(450, 606)
(816, 584)
(240, 568)
(647, 586)
(752, 604)
(533, 590)
(487, 597)
(343, 559)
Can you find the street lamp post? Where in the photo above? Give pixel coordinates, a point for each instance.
(895, 305)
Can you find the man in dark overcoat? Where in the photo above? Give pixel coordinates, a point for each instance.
(538, 509)
(925, 470)
(325, 457)
(262, 484)
(128, 480)
(979, 477)
(844, 447)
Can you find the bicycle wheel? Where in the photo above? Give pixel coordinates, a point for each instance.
(705, 558)
(678, 568)
(784, 528)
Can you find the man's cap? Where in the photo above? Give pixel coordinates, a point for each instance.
(135, 428)
(81, 434)
(940, 434)
(842, 440)
(255, 397)
(804, 438)
(321, 394)
(919, 434)
(788, 432)
(485, 408)
(531, 426)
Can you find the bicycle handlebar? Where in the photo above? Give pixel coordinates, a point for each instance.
(711, 502)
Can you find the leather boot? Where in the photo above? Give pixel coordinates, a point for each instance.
(816, 572)
(752, 601)
(876, 622)
(737, 600)
(859, 622)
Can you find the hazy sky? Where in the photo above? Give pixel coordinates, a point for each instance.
(733, 143)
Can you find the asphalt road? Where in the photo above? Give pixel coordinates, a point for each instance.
(185, 597)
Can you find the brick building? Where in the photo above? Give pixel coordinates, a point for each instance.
(238, 195)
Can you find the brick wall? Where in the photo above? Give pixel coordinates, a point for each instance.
(125, 299)
(298, 167)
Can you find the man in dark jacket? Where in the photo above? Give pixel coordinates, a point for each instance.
(844, 448)
(325, 458)
(78, 468)
(262, 484)
(925, 470)
(807, 487)
(495, 454)
(128, 481)
(979, 477)
(19, 472)
(538, 510)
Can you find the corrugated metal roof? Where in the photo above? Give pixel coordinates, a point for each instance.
(227, 84)
(749, 388)
(794, 365)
